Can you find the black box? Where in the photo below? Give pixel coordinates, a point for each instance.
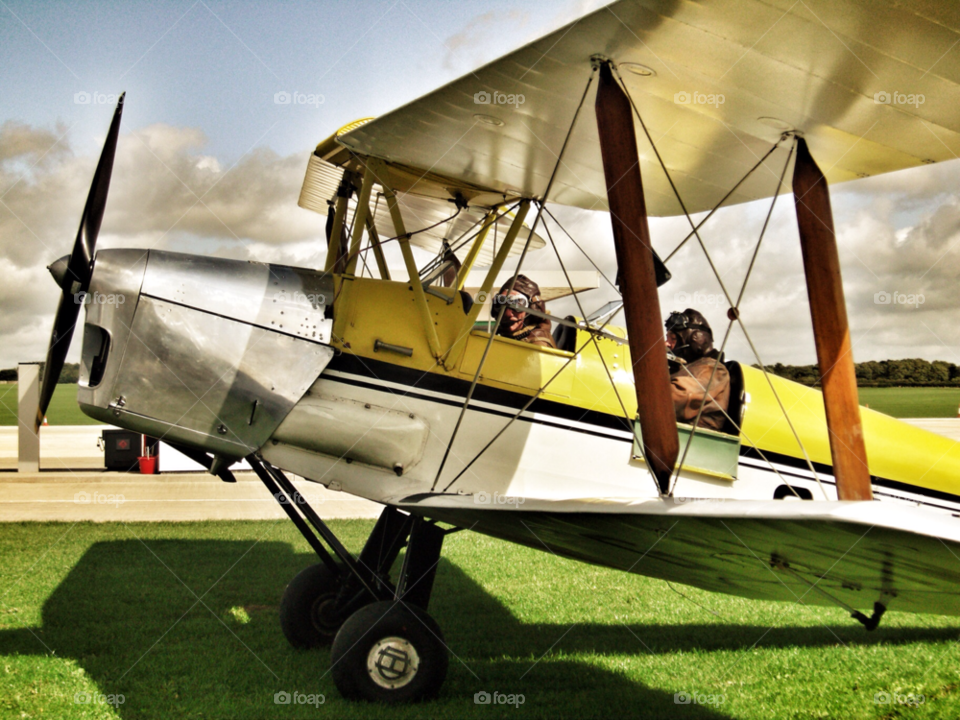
(121, 448)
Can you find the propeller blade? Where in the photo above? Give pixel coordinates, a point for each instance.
(75, 277)
(79, 269)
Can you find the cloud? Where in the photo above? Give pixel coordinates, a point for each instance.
(471, 46)
(164, 193)
(898, 234)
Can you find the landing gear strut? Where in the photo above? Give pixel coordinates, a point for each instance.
(386, 648)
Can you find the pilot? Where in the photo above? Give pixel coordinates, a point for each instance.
(518, 324)
(690, 339)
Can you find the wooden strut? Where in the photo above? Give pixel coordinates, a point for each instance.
(821, 265)
(631, 237)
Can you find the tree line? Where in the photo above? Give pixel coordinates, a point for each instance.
(884, 373)
(912, 372)
(69, 375)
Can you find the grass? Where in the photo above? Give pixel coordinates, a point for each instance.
(63, 408)
(918, 402)
(181, 619)
(898, 402)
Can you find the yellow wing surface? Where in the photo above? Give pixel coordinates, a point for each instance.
(872, 85)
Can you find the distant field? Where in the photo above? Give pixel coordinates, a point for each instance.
(63, 407)
(912, 402)
(898, 402)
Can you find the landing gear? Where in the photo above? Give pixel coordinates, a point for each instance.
(386, 648)
(308, 613)
(389, 652)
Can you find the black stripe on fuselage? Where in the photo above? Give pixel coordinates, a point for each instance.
(377, 370)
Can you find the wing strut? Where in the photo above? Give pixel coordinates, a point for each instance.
(631, 237)
(821, 265)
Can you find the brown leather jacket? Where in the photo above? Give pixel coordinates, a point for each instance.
(690, 392)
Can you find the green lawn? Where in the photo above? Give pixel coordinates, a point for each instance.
(917, 402)
(63, 408)
(181, 620)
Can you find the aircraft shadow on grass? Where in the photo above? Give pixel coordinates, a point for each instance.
(129, 620)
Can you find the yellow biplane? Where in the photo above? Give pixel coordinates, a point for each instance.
(396, 390)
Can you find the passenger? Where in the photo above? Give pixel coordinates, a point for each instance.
(518, 324)
(690, 339)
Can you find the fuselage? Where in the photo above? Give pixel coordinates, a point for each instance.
(334, 379)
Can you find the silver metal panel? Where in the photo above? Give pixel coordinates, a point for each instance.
(117, 275)
(355, 431)
(859, 552)
(274, 297)
(225, 383)
(727, 77)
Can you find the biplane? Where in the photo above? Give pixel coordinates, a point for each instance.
(390, 386)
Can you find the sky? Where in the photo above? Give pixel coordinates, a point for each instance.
(209, 163)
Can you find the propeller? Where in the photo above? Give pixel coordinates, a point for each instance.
(73, 272)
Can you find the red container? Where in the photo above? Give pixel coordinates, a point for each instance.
(148, 465)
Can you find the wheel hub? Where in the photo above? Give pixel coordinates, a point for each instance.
(392, 662)
(324, 614)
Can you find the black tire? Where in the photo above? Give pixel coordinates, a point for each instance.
(307, 610)
(390, 653)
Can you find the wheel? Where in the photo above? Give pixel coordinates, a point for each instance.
(308, 609)
(389, 652)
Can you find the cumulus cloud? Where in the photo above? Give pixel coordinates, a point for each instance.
(899, 282)
(165, 193)
(899, 237)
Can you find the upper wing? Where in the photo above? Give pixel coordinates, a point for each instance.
(873, 87)
(424, 213)
(857, 552)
